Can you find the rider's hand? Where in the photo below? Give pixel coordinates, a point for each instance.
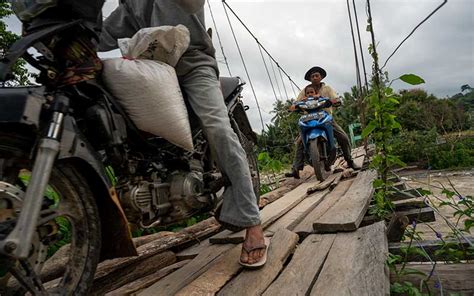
(292, 108)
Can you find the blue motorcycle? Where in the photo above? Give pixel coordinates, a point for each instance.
(317, 134)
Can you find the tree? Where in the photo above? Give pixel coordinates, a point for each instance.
(7, 38)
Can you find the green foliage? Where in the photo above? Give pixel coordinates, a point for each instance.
(7, 38)
(424, 149)
(412, 79)
(269, 164)
(279, 136)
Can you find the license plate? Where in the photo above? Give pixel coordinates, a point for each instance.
(312, 116)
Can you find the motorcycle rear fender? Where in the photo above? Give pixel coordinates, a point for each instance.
(116, 237)
(315, 133)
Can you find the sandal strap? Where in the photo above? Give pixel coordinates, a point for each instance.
(257, 247)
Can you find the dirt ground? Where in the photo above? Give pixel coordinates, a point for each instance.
(462, 181)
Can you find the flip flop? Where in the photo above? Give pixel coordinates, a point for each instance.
(262, 261)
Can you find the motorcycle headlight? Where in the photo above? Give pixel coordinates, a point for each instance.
(26, 10)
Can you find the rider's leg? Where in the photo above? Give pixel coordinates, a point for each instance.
(205, 97)
(345, 144)
(298, 162)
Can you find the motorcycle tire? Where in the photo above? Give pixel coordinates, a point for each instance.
(316, 162)
(70, 220)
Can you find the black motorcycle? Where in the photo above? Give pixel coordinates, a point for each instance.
(71, 159)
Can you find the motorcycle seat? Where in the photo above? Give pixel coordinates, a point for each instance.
(229, 85)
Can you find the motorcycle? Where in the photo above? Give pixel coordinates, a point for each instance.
(71, 159)
(317, 135)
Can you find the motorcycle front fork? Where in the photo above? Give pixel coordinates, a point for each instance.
(18, 243)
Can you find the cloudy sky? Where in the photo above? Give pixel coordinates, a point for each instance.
(300, 34)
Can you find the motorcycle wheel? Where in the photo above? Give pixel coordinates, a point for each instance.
(316, 162)
(69, 215)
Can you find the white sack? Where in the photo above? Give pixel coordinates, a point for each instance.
(165, 44)
(149, 90)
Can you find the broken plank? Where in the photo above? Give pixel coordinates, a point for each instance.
(298, 277)
(305, 227)
(255, 282)
(356, 264)
(145, 282)
(211, 281)
(268, 215)
(348, 212)
(119, 277)
(298, 213)
(174, 282)
(456, 279)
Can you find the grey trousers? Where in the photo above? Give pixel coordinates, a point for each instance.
(341, 138)
(204, 94)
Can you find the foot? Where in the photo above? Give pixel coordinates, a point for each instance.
(353, 166)
(294, 174)
(253, 237)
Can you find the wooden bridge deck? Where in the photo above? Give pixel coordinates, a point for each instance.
(323, 242)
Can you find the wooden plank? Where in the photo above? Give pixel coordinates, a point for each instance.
(348, 212)
(405, 194)
(193, 251)
(174, 282)
(217, 276)
(268, 215)
(430, 246)
(305, 227)
(325, 184)
(456, 279)
(254, 282)
(145, 282)
(152, 248)
(298, 213)
(298, 277)
(419, 215)
(405, 205)
(356, 264)
(119, 277)
(359, 161)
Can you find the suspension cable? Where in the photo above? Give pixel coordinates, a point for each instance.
(283, 83)
(248, 30)
(219, 38)
(413, 31)
(359, 83)
(266, 69)
(245, 67)
(360, 46)
(276, 79)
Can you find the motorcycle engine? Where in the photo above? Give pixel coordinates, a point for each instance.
(152, 203)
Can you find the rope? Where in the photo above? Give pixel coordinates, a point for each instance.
(359, 83)
(413, 31)
(245, 67)
(360, 46)
(248, 30)
(219, 38)
(266, 69)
